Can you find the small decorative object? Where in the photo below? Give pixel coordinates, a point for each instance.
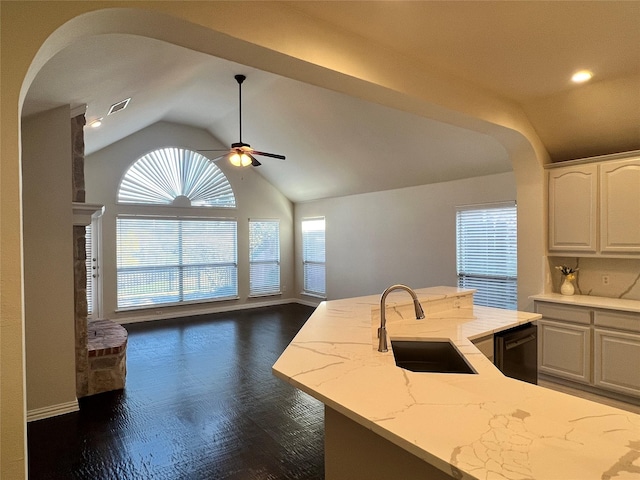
(568, 276)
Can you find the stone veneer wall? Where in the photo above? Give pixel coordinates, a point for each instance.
(79, 259)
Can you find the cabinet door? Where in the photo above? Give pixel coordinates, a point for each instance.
(617, 361)
(564, 350)
(620, 206)
(573, 202)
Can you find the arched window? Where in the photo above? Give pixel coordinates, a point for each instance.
(175, 176)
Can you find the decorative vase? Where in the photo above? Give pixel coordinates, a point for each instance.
(567, 287)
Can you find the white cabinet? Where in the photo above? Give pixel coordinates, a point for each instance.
(617, 361)
(564, 342)
(620, 206)
(599, 348)
(594, 208)
(573, 203)
(565, 350)
(616, 351)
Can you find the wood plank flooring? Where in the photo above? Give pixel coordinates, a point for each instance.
(200, 403)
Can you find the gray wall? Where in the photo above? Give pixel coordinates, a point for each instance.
(397, 236)
(255, 198)
(48, 262)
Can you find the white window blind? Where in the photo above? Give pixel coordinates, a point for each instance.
(313, 256)
(264, 257)
(175, 176)
(487, 253)
(167, 261)
(89, 266)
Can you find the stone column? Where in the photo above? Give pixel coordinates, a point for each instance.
(79, 258)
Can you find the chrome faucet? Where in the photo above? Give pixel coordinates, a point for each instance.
(382, 331)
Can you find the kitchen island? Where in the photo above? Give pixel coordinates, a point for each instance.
(382, 421)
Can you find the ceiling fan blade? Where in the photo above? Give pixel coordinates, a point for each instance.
(271, 155)
(254, 162)
(214, 160)
(213, 150)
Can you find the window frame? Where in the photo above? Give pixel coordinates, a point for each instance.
(273, 261)
(311, 263)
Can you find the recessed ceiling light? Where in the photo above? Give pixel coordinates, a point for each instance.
(116, 107)
(581, 76)
(96, 123)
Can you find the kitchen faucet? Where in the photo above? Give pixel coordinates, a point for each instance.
(382, 331)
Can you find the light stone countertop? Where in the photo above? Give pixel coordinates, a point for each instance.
(484, 426)
(590, 301)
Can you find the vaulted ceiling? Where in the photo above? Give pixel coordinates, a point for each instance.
(521, 52)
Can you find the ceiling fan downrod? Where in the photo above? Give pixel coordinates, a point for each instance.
(240, 79)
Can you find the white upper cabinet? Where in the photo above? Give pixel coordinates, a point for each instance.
(573, 203)
(620, 206)
(594, 208)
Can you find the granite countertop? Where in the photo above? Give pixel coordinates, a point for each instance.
(482, 425)
(591, 301)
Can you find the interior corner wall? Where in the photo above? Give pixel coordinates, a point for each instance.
(407, 235)
(256, 198)
(48, 262)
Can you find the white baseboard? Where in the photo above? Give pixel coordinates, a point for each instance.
(308, 303)
(52, 411)
(161, 314)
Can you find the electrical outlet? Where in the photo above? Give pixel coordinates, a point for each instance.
(605, 279)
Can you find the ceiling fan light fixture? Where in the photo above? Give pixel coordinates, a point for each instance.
(239, 159)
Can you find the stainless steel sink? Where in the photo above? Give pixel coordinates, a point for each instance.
(435, 356)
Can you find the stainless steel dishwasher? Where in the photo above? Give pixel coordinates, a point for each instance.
(516, 352)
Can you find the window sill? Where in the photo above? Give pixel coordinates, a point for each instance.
(176, 304)
(314, 295)
(262, 295)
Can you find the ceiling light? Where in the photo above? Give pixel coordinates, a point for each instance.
(581, 76)
(96, 123)
(240, 159)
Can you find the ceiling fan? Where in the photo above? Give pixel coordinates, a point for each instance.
(241, 154)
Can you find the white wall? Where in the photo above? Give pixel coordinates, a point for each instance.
(255, 198)
(398, 236)
(48, 262)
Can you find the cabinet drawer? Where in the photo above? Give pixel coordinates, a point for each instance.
(568, 314)
(619, 320)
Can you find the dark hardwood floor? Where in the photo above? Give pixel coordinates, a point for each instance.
(200, 403)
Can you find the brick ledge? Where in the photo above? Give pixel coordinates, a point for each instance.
(105, 337)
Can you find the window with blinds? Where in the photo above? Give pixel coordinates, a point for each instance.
(164, 261)
(313, 256)
(264, 257)
(89, 265)
(487, 253)
(175, 176)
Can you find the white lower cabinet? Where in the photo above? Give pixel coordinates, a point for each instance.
(617, 361)
(564, 350)
(595, 347)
